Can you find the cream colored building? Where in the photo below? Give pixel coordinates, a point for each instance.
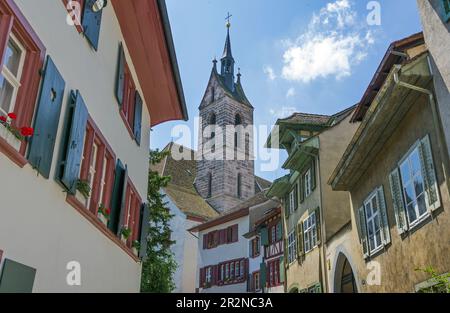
(99, 91)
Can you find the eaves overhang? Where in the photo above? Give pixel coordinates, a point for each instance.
(302, 154)
(279, 187)
(385, 113)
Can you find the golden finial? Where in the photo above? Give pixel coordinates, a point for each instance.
(228, 20)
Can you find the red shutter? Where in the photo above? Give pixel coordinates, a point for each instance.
(216, 236)
(202, 277)
(223, 236)
(205, 241)
(215, 274)
(235, 233)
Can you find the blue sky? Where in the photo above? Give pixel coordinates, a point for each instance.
(310, 56)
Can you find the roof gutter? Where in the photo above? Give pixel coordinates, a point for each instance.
(442, 146)
(173, 57)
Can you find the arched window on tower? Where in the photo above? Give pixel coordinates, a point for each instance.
(213, 94)
(209, 185)
(212, 122)
(239, 185)
(237, 122)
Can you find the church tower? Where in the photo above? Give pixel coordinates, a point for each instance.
(225, 177)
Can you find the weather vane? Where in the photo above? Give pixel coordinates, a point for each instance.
(228, 19)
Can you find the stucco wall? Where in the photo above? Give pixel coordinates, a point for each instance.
(426, 245)
(224, 253)
(40, 229)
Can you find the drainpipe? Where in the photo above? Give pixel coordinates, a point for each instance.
(323, 262)
(442, 146)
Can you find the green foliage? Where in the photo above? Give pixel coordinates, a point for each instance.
(125, 232)
(16, 133)
(136, 244)
(83, 188)
(159, 266)
(440, 283)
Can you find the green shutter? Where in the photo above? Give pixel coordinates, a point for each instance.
(363, 231)
(318, 288)
(137, 127)
(313, 175)
(287, 206)
(123, 202)
(386, 236)
(296, 197)
(445, 7)
(120, 76)
(144, 230)
(282, 274)
(429, 174)
(46, 122)
(300, 243)
(16, 278)
(318, 226)
(302, 188)
(264, 236)
(91, 23)
(397, 199)
(263, 274)
(116, 199)
(73, 144)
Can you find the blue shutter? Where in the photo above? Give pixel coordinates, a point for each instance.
(279, 231)
(145, 225)
(120, 79)
(116, 199)
(281, 269)
(73, 147)
(138, 118)
(263, 275)
(40, 154)
(16, 278)
(445, 7)
(264, 236)
(123, 203)
(91, 23)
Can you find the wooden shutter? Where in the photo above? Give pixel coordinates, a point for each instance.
(205, 241)
(202, 277)
(144, 230)
(123, 202)
(385, 234)
(281, 270)
(445, 8)
(91, 23)
(120, 76)
(263, 274)
(363, 231)
(318, 226)
(73, 145)
(397, 200)
(235, 232)
(429, 175)
(264, 236)
(16, 278)
(313, 175)
(116, 198)
(296, 197)
(215, 275)
(216, 238)
(46, 120)
(137, 127)
(300, 243)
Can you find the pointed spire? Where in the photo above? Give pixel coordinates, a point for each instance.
(227, 61)
(215, 64)
(239, 76)
(227, 49)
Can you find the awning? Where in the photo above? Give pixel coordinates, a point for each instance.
(384, 115)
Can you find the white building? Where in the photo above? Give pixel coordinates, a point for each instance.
(91, 91)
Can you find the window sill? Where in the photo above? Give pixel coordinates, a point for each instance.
(231, 282)
(418, 223)
(127, 125)
(77, 205)
(12, 153)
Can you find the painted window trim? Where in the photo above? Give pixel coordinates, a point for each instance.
(129, 101)
(292, 258)
(373, 194)
(276, 271)
(254, 274)
(12, 21)
(316, 243)
(133, 208)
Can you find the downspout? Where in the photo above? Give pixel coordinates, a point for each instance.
(323, 266)
(442, 146)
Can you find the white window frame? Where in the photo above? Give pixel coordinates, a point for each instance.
(310, 232)
(241, 267)
(256, 281)
(227, 270)
(371, 221)
(208, 275)
(292, 201)
(14, 81)
(406, 159)
(92, 171)
(307, 183)
(103, 180)
(292, 247)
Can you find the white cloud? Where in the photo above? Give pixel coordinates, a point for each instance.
(283, 112)
(268, 70)
(291, 92)
(333, 43)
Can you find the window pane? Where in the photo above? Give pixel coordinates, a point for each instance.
(415, 161)
(378, 239)
(421, 204)
(368, 211)
(412, 212)
(12, 57)
(409, 194)
(404, 170)
(371, 243)
(418, 184)
(6, 92)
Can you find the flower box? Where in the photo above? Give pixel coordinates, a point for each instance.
(123, 239)
(103, 219)
(12, 140)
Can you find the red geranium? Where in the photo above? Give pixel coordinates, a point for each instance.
(27, 131)
(3, 119)
(108, 211)
(12, 116)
